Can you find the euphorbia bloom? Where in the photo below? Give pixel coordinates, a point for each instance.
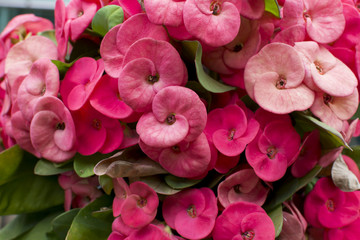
(273, 150)
(149, 66)
(191, 212)
(122, 191)
(151, 232)
(243, 220)
(350, 231)
(177, 114)
(274, 79)
(216, 23)
(52, 130)
(165, 12)
(327, 206)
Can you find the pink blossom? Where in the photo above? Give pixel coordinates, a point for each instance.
(273, 150)
(52, 130)
(178, 114)
(215, 23)
(274, 79)
(3, 52)
(129, 7)
(243, 220)
(252, 9)
(264, 117)
(43, 80)
(149, 66)
(242, 186)
(353, 167)
(80, 81)
(62, 29)
(122, 191)
(327, 206)
(168, 12)
(191, 212)
(151, 232)
(350, 231)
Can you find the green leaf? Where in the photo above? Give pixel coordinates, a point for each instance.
(62, 67)
(329, 137)
(180, 183)
(86, 226)
(158, 184)
(276, 216)
(50, 34)
(20, 225)
(84, 165)
(201, 91)
(354, 154)
(288, 187)
(106, 183)
(194, 48)
(10, 160)
(272, 7)
(60, 225)
(106, 18)
(84, 48)
(47, 168)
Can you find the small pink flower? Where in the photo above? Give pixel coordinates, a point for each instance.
(178, 114)
(243, 220)
(152, 232)
(350, 231)
(122, 191)
(252, 9)
(327, 206)
(168, 12)
(52, 130)
(191, 212)
(242, 186)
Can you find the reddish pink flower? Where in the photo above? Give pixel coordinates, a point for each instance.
(191, 212)
(52, 130)
(215, 23)
(62, 29)
(327, 206)
(243, 220)
(151, 232)
(350, 231)
(353, 167)
(122, 191)
(242, 186)
(178, 114)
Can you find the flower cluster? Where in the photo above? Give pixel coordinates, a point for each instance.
(189, 119)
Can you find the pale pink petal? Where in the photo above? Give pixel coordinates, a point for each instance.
(168, 12)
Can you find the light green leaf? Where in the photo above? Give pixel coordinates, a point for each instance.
(47, 168)
(10, 160)
(193, 48)
(50, 34)
(276, 216)
(106, 18)
(158, 184)
(60, 225)
(62, 67)
(86, 226)
(106, 183)
(84, 165)
(272, 6)
(180, 183)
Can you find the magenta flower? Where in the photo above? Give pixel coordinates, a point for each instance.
(149, 66)
(230, 130)
(177, 114)
(52, 130)
(350, 231)
(273, 150)
(215, 23)
(43, 80)
(80, 81)
(122, 191)
(327, 206)
(274, 79)
(191, 212)
(3, 52)
(243, 220)
(151, 232)
(242, 186)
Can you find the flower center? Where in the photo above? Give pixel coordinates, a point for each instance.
(231, 134)
(170, 119)
(60, 126)
(43, 90)
(237, 188)
(141, 202)
(191, 211)
(215, 8)
(238, 47)
(176, 148)
(327, 98)
(96, 124)
(330, 205)
(271, 152)
(281, 82)
(248, 235)
(319, 68)
(80, 13)
(153, 79)
(306, 15)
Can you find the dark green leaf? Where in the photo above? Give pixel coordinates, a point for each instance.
(10, 160)
(354, 154)
(106, 18)
(84, 165)
(357, 114)
(158, 184)
(106, 183)
(86, 226)
(84, 48)
(180, 183)
(47, 168)
(60, 225)
(200, 90)
(272, 6)
(62, 67)
(276, 216)
(194, 48)
(251, 104)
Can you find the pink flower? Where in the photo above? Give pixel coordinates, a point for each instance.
(177, 114)
(329, 207)
(149, 66)
(168, 12)
(151, 232)
(243, 220)
(350, 231)
(52, 130)
(191, 212)
(122, 191)
(252, 9)
(242, 186)
(274, 79)
(273, 150)
(215, 23)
